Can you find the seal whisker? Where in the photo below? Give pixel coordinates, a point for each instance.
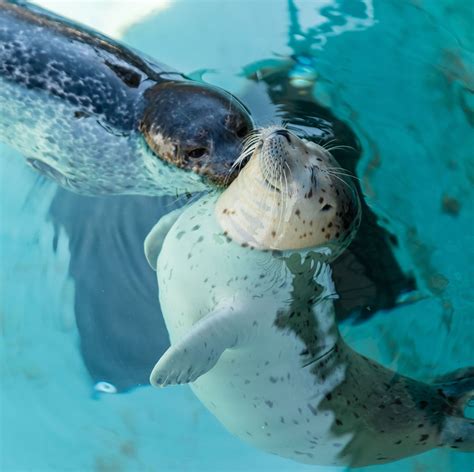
(289, 169)
(252, 136)
(269, 170)
(339, 172)
(248, 147)
(328, 143)
(286, 180)
(340, 179)
(247, 150)
(341, 146)
(343, 172)
(286, 193)
(280, 217)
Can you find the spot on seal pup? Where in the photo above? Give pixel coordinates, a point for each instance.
(251, 320)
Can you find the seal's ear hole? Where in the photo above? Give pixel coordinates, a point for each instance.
(196, 153)
(326, 207)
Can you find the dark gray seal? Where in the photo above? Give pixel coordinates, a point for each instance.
(99, 118)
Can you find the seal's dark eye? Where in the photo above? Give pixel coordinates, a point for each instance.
(196, 153)
(326, 207)
(242, 131)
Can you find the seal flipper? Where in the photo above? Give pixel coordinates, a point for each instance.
(200, 349)
(154, 240)
(457, 384)
(458, 433)
(458, 387)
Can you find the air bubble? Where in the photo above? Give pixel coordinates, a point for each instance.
(105, 387)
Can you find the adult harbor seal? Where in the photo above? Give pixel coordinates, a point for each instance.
(99, 118)
(256, 332)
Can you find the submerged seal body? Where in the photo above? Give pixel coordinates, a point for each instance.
(256, 333)
(99, 118)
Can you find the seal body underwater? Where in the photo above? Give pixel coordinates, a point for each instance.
(256, 335)
(99, 118)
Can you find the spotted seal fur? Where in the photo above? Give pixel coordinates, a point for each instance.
(296, 202)
(255, 334)
(100, 118)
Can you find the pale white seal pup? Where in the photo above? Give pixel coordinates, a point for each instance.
(247, 296)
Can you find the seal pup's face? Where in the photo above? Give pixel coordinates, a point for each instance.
(292, 194)
(197, 127)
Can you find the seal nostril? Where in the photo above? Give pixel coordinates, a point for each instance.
(284, 133)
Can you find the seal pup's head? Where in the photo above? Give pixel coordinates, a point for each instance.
(197, 127)
(291, 194)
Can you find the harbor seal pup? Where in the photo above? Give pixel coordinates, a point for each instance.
(255, 332)
(100, 118)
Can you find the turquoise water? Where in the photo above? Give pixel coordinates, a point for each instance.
(402, 78)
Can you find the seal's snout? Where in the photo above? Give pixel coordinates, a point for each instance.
(275, 142)
(283, 132)
(275, 135)
(275, 149)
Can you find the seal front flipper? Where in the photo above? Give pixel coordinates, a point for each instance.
(154, 241)
(200, 349)
(458, 389)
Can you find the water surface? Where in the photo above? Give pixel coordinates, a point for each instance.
(77, 297)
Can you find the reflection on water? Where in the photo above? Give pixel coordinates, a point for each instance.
(406, 100)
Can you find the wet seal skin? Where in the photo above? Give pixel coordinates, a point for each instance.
(256, 335)
(85, 111)
(203, 128)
